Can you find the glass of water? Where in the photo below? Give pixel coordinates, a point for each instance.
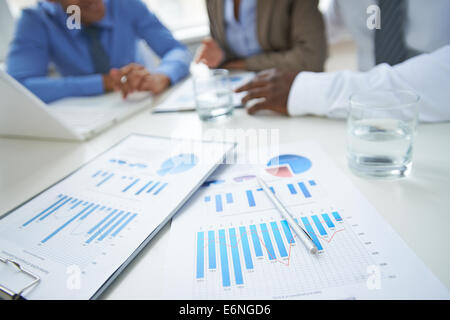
(213, 94)
(381, 128)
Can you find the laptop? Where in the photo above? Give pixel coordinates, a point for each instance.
(6, 28)
(22, 114)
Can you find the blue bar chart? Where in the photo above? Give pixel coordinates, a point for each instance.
(200, 255)
(253, 196)
(235, 255)
(337, 216)
(100, 221)
(234, 251)
(211, 250)
(328, 221)
(311, 233)
(246, 248)
(127, 185)
(224, 259)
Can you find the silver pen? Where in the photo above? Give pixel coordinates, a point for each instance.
(301, 233)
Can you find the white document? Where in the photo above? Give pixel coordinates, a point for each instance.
(183, 99)
(229, 242)
(78, 233)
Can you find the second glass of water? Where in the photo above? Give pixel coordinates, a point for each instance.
(381, 129)
(213, 94)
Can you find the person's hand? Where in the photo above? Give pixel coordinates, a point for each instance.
(131, 78)
(111, 81)
(155, 83)
(127, 79)
(272, 87)
(210, 53)
(134, 77)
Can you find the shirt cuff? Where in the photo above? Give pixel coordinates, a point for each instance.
(175, 72)
(305, 96)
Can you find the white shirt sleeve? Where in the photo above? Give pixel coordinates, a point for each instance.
(327, 94)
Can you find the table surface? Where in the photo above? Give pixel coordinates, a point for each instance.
(416, 207)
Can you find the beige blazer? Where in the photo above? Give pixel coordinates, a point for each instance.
(290, 32)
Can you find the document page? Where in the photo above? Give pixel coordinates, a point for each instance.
(229, 241)
(77, 233)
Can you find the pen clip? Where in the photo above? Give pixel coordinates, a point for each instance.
(305, 232)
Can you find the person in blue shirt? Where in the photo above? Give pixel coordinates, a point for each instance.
(99, 57)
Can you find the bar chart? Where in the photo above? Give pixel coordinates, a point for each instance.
(127, 185)
(252, 196)
(134, 179)
(234, 252)
(255, 254)
(71, 216)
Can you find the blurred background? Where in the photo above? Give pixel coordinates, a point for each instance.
(188, 21)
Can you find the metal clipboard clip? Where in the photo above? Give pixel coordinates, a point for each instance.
(6, 293)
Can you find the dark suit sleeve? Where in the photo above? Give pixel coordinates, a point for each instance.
(309, 47)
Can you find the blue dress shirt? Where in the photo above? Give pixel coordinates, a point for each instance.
(242, 37)
(42, 37)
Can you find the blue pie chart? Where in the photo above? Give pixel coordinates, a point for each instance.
(288, 165)
(178, 164)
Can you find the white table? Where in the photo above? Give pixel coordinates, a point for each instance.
(418, 208)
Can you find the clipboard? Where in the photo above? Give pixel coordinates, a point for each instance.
(9, 294)
(36, 282)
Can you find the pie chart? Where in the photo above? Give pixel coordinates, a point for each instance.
(178, 164)
(288, 165)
